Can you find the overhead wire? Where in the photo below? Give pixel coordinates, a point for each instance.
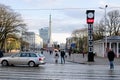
(56, 9)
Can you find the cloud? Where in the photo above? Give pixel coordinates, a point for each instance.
(28, 1)
(43, 3)
(76, 13)
(60, 22)
(31, 1)
(62, 37)
(103, 2)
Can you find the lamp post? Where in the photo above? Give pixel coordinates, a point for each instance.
(105, 26)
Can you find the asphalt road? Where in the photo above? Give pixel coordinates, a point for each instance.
(52, 71)
(59, 72)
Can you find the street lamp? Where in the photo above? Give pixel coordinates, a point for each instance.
(105, 27)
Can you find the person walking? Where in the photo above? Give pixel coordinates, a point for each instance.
(56, 57)
(62, 56)
(1, 53)
(51, 52)
(83, 54)
(41, 51)
(70, 51)
(111, 56)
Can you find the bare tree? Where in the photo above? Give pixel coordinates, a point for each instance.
(99, 30)
(113, 25)
(9, 23)
(80, 32)
(80, 37)
(113, 22)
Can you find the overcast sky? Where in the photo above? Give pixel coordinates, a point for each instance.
(67, 15)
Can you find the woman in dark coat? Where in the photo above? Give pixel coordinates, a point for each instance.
(111, 56)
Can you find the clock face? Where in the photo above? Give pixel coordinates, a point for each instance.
(90, 15)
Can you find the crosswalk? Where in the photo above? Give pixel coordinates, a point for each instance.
(60, 72)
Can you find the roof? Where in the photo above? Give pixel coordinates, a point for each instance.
(110, 39)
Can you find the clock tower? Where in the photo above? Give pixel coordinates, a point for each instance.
(90, 21)
(90, 16)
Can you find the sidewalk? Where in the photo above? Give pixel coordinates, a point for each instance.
(78, 58)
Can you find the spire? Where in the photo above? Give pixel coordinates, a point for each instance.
(50, 38)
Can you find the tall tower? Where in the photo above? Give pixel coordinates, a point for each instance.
(50, 39)
(50, 43)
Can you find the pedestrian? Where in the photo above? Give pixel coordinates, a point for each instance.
(62, 56)
(51, 52)
(56, 57)
(1, 53)
(83, 53)
(111, 56)
(41, 51)
(70, 51)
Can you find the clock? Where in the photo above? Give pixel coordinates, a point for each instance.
(90, 15)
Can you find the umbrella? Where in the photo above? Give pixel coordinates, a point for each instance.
(55, 50)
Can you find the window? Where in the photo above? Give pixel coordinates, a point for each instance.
(33, 55)
(24, 54)
(16, 55)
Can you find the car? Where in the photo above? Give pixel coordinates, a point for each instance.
(31, 59)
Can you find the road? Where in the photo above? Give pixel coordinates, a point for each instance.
(52, 71)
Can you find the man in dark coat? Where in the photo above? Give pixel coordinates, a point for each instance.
(111, 56)
(1, 54)
(62, 56)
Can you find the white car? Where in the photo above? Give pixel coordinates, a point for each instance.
(23, 58)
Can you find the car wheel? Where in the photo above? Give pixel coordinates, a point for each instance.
(4, 63)
(31, 64)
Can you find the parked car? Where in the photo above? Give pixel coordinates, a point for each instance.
(24, 58)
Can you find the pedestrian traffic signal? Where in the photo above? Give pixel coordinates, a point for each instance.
(90, 16)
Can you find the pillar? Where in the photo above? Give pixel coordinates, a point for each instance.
(117, 49)
(110, 45)
(103, 49)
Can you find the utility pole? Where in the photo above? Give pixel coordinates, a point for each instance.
(105, 20)
(105, 30)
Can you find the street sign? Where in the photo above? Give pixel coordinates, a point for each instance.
(73, 45)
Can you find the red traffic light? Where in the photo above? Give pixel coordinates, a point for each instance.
(90, 21)
(90, 16)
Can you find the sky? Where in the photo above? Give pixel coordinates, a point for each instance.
(66, 15)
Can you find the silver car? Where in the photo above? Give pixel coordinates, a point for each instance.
(23, 58)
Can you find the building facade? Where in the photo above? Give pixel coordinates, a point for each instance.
(34, 40)
(43, 32)
(113, 42)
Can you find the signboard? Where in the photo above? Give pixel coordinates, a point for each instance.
(73, 45)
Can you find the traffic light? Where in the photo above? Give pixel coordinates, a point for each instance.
(90, 16)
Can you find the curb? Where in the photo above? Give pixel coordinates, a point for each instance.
(78, 62)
